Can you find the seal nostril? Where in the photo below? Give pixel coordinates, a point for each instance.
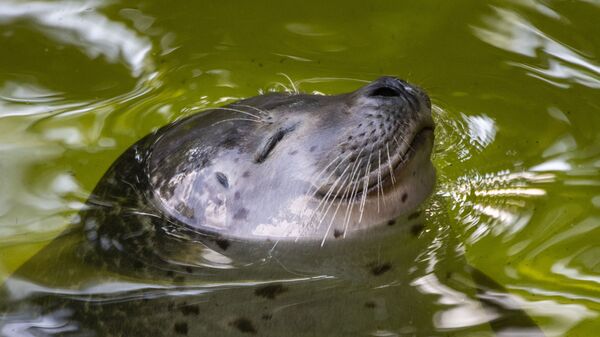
(384, 92)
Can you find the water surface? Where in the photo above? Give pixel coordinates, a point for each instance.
(515, 85)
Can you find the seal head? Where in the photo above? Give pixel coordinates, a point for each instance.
(297, 166)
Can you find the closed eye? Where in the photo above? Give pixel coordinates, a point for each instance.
(270, 142)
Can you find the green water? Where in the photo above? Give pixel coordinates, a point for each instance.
(515, 85)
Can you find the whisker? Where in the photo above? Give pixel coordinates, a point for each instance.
(279, 84)
(261, 111)
(328, 194)
(352, 195)
(236, 119)
(404, 141)
(194, 110)
(291, 82)
(379, 181)
(317, 188)
(397, 142)
(391, 169)
(240, 111)
(334, 213)
(354, 199)
(198, 109)
(364, 191)
(355, 169)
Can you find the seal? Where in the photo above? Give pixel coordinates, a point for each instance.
(297, 166)
(289, 166)
(264, 216)
(276, 168)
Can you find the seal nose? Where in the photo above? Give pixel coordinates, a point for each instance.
(384, 92)
(389, 87)
(395, 91)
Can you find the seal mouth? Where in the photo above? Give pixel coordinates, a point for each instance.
(388, 171)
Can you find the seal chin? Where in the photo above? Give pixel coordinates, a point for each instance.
(418, 157)
(413, 181)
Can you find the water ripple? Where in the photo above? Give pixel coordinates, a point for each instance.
(551, 60)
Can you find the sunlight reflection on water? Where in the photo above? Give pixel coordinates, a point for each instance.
(558, 65)
(79, 24)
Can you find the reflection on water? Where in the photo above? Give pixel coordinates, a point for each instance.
(552, 61)
(517, 153)
(506, 202)
(80, 24)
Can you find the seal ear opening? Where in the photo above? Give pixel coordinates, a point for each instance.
(269, 144)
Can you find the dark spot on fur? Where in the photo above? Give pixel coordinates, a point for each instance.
(293, 152)
(270, 291)
(185, 210)
(416, 229)
(236, 195)
(266, 317)
(312, 148)
(414, 215)
(241, 214)
(337, 233)
(244, 325)
(404, 197)
(391, 222)
(222, 243)
(379, 268)
(181, 328)
(222, 178)
(246, 174)
(370, 304)
(191, 309)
